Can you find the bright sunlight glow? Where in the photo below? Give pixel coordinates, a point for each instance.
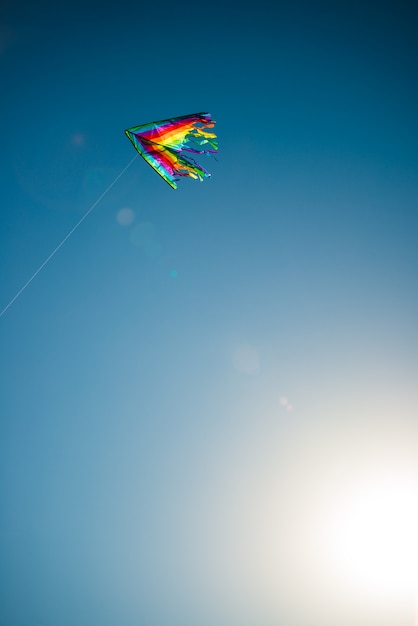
(374, 539)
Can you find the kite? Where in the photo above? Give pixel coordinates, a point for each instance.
(164, 145)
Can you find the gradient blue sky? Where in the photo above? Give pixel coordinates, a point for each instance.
(187, 400)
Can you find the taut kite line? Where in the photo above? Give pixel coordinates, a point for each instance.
(67, 236)
(163, 145)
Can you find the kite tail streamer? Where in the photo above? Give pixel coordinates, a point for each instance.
(67, 236)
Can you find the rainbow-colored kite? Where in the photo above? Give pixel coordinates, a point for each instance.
(163, 145)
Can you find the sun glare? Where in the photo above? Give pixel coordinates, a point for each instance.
(374, 539)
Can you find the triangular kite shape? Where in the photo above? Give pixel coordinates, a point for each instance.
(163, 145)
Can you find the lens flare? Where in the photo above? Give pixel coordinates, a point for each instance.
(125, 216)
(246, 359)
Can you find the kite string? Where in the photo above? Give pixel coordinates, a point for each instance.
(67, 236)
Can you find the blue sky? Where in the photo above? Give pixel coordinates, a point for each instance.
(201, 384)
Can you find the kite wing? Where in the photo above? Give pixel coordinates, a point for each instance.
(164, 145)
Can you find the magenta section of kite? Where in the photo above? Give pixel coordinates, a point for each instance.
(164, 145)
